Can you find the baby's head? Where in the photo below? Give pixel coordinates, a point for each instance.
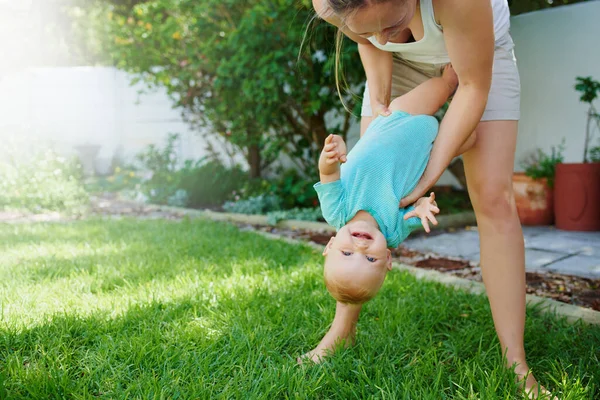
(356, 262)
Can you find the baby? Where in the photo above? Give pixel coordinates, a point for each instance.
(361, 199)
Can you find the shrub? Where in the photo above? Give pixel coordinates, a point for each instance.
(203, 183)
(295, 190)
(292, 189)
(543, 165)
(208, 183)
(41, 183)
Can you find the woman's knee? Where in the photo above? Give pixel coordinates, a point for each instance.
(493, 200)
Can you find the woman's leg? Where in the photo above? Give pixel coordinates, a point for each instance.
(489, 169)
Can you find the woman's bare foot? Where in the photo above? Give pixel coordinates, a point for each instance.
(449, 76)
(529, 385)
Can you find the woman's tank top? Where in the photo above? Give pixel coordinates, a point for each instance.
(431, 48)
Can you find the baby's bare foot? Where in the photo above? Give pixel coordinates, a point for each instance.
(316, 356)
(327, 347)
(449, 76)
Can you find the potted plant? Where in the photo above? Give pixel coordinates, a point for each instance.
(533, 188)
(577, 185)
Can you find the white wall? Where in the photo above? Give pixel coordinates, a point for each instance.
(68, 107)
(552, 48)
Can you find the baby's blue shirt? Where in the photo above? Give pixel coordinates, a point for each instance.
(383, 167)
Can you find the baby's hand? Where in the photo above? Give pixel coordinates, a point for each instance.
(425, 208)
(333, 152)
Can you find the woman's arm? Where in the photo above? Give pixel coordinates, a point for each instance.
(378, 68)
(469, 35)
(376, 63)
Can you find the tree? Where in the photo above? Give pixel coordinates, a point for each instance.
(236, 67)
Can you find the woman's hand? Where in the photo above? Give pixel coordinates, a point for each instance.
(380, 109)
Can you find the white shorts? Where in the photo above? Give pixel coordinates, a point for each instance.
(505, 93)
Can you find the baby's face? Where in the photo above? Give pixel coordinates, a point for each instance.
(358, 254)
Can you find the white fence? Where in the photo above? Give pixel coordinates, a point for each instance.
(70, 107)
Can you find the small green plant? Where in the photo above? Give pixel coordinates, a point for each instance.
(543, 165)
(123, 178)
(162, 163)
(260, 204)
(590, 89)
(202, 183)
(300, 214)
(594, 154)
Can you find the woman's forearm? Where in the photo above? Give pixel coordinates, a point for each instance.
(378, 69)
(458, 124)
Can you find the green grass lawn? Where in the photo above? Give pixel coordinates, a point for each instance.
(200, 310)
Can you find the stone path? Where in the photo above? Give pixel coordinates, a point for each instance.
(546, 249)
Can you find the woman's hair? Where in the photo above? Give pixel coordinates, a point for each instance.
(343, 8)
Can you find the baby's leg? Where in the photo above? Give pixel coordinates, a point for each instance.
(341, 332)
(428, 97)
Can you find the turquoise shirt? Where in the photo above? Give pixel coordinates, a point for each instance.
(383, 167)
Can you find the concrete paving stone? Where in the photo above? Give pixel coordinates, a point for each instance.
(535, 260)
(585, 266)
(584, 236)
(473, 257)
(567, 242)
(533, 231)
(456, 244)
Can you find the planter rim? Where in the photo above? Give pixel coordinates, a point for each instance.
(524, 175)
(573, 164)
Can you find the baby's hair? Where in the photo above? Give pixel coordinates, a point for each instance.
(347, 295)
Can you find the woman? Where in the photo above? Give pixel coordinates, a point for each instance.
(401, 44)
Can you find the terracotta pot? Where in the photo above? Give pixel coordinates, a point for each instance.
(534, 200)
(577, 197)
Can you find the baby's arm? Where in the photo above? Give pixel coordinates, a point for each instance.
(424, 209)
(428, 97)
(334, 153)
